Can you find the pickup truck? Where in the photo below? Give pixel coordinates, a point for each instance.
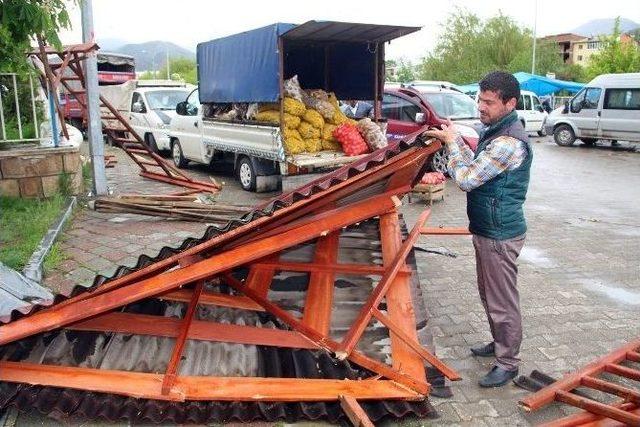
(250, 68)
(149, 106)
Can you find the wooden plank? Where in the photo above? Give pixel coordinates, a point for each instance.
(327, 343)
(183, 333)
(446, 231)
(598, 408)
(319, 298)
(143, 324)
(587, 419)
(397, 330)
(633, 356)
(213, 298)
(147, 386)
(570, 381)
(260, 277)
(608, 387)
(318, 225)
(623, 371)
(398, 297)
(354, 412)
(356, 269)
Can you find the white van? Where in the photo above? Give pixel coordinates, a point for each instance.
(608, 107)
(531, 113)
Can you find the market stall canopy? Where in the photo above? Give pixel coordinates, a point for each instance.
(334, 56)
(537, 84)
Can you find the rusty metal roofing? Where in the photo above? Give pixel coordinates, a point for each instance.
(331, 31)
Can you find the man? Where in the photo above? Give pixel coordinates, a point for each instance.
(357, 109)
(496, 178)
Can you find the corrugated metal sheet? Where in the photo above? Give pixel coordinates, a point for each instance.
(331, 31)
(150, 354)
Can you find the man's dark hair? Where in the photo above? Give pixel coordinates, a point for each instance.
(504, 84)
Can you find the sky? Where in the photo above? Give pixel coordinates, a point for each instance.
(188, 22)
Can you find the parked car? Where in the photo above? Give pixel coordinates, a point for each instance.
(149, 106)
(408, 109)
(608, 107)
(531, 113)
(433, 84)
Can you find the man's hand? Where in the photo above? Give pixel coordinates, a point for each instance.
(433, 178)
(447, 134)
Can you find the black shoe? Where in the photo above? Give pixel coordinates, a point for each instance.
(497, 377)
(484, 350)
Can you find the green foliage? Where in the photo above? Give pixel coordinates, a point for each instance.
(24, 101)
(572, 72)
(406, 71)
(21, 21)
(615, 56)
(469, 48)
(183, 69)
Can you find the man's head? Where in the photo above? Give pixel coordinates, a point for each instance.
(499, 93)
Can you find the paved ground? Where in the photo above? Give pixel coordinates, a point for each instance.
(579, 270)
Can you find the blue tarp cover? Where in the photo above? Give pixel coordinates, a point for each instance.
(537, 84)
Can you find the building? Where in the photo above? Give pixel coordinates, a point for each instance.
(577, 49)
(565, 42)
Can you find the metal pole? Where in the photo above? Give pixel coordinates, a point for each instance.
(535, 24)
(15, 93)
(33, 107)
(4, 131)
(54, 120)
(96, 143)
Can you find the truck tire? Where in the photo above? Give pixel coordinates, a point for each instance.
(564, 136)
(246, 174)
(151, 142)
(177, 156)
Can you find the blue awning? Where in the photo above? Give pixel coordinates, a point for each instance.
(544, 86)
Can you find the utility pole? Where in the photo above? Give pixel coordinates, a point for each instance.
(168, 70)
(535, 24)
(96, 143)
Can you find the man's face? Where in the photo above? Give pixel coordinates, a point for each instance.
(492, 108)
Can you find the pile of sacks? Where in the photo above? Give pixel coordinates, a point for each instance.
(314, 122)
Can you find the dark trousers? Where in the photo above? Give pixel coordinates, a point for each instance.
(497, 284)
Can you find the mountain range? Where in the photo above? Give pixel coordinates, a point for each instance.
(604, 26)
(148, 55)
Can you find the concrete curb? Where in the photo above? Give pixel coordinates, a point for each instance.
(33, 269)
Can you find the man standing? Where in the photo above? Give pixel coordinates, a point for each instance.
(496, 178)
(355, 109)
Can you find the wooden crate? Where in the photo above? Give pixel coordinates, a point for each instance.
(428, 192)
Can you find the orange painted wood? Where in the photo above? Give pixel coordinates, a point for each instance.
(260, 277)
(183, 334)
(213, 298)
(354, 412)
(626, 393)
(321, 224)
(598, 408)
(633, 356)
(147, 386)
(398, 261)
(327, 343)
(319, 298)
(143, 324)
(623, 371)
(570, 381)
(446, 231)
(587, 419)
(356, 269)
(397, 330)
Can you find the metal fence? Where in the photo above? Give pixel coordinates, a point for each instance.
(13, 114)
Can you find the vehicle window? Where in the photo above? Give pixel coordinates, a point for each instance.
(591, 98)
(576, 102)
(536, 103)
(520, 104)
(165, 99)
(453, 105)
(622, 99)
(193, 103)
(137, 98)
(396, 108)
(527, 102)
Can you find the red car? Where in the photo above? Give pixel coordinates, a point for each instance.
(409, 109)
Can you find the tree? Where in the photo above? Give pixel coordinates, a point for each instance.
(21, 21)
(615, 56)
(181, 69)
(406, 71)
(469, 48)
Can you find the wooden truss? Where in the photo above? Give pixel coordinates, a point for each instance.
(151, 165)
(623, 411)
(318, 217)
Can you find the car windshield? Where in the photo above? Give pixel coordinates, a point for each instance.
(453, 105)
(165, 99)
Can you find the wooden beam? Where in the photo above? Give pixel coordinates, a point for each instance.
(626, 393)
(318, 225)
(357, 328)
(148, 386)
(356, 269)
(172, 367)
(623, 371)
(633, 356)
(354, 412)
(143, 324)
(598, 408)
(327, 343)
(319, 298)
(212, 298)
(446, 231)
(260, 277)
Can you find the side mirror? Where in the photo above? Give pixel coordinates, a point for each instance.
(137, 107)
(576, 108)
(420, 118)
(181, 108)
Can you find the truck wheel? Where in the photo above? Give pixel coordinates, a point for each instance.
(176, 154)
(246, 174)
(439, 161)
(564, 136)
(151, 142)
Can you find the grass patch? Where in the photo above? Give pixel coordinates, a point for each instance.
(53, 258)
(23, 223)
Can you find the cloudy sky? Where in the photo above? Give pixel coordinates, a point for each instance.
(188, 22)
